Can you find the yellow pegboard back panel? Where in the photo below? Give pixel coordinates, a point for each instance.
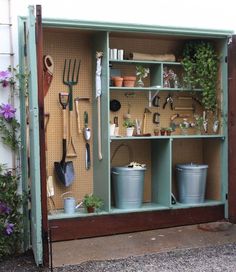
(61, 46)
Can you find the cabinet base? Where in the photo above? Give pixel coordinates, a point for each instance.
(92, 226)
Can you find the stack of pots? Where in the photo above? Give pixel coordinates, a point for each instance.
(126, 81)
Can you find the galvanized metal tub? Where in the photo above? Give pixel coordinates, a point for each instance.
(128, 186)
(191, 182)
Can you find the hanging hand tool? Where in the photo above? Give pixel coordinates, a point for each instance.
(48, 69)
(50, 188)
(146, 111)
(87, 135)
(205, 122)
(156, 101)
(156, 118)
(70, 78)
(169, 100)
(173, 124)
(77, 99)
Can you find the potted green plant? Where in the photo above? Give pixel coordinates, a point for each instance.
(163, 131)
(92, 202)
(141, 72)
(156, 131)
(199, 121)
(129, 125)
(168, 130)
(184, 126)
(200, 63)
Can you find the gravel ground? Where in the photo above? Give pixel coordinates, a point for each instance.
(214, 259)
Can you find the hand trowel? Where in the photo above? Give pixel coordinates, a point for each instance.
(87, 135)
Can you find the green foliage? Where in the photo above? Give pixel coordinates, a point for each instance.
(198, 121)
(10, 216)
(9, 131)
(10, 200)
(92, 201)
(128, 123)
(200, 63)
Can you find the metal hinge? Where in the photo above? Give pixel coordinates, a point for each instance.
(25, 38)
(226, 59)
(45, 235)
(226, 196)
(230, 39)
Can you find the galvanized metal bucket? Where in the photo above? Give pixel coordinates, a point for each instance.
(128, 187)
(191, 182)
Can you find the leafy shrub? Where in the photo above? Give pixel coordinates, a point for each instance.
(10, 215)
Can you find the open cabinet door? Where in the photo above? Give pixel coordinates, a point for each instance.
(35, 179)
(232, 127)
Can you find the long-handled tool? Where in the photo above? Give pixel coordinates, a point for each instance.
(70, 78)
(64, 170)
(99, 56)
(50, 188)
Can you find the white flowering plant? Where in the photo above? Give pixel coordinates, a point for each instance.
(141, 71)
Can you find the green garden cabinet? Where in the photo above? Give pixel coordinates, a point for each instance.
(65, 39)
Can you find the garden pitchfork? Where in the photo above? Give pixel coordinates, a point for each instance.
(70, 78)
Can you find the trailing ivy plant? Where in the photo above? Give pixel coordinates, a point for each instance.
(200, 63)
(10, 216)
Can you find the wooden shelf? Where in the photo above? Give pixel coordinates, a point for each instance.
(143, 89)
(120, 138)
(144, 62)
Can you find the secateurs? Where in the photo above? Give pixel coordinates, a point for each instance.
(169, 100)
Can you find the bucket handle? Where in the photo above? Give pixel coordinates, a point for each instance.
(115, 173)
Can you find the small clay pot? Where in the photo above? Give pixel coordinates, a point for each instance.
(129, 81)
(90, 209)
(163, 132)
(117, 81)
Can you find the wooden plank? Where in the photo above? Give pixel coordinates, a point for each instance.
(232, 129)
(39, 49)
(101, 168)
(36, 212)
(92, 226)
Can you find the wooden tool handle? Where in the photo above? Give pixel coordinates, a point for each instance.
(99, 130)
(144, 123)
(78, 116)
(64, 123)
(184, 108)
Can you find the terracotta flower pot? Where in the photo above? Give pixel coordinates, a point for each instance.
(163, 132)
(90, 209)
(117, 81)
(129, 81)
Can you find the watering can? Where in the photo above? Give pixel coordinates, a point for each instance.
(70, 203)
